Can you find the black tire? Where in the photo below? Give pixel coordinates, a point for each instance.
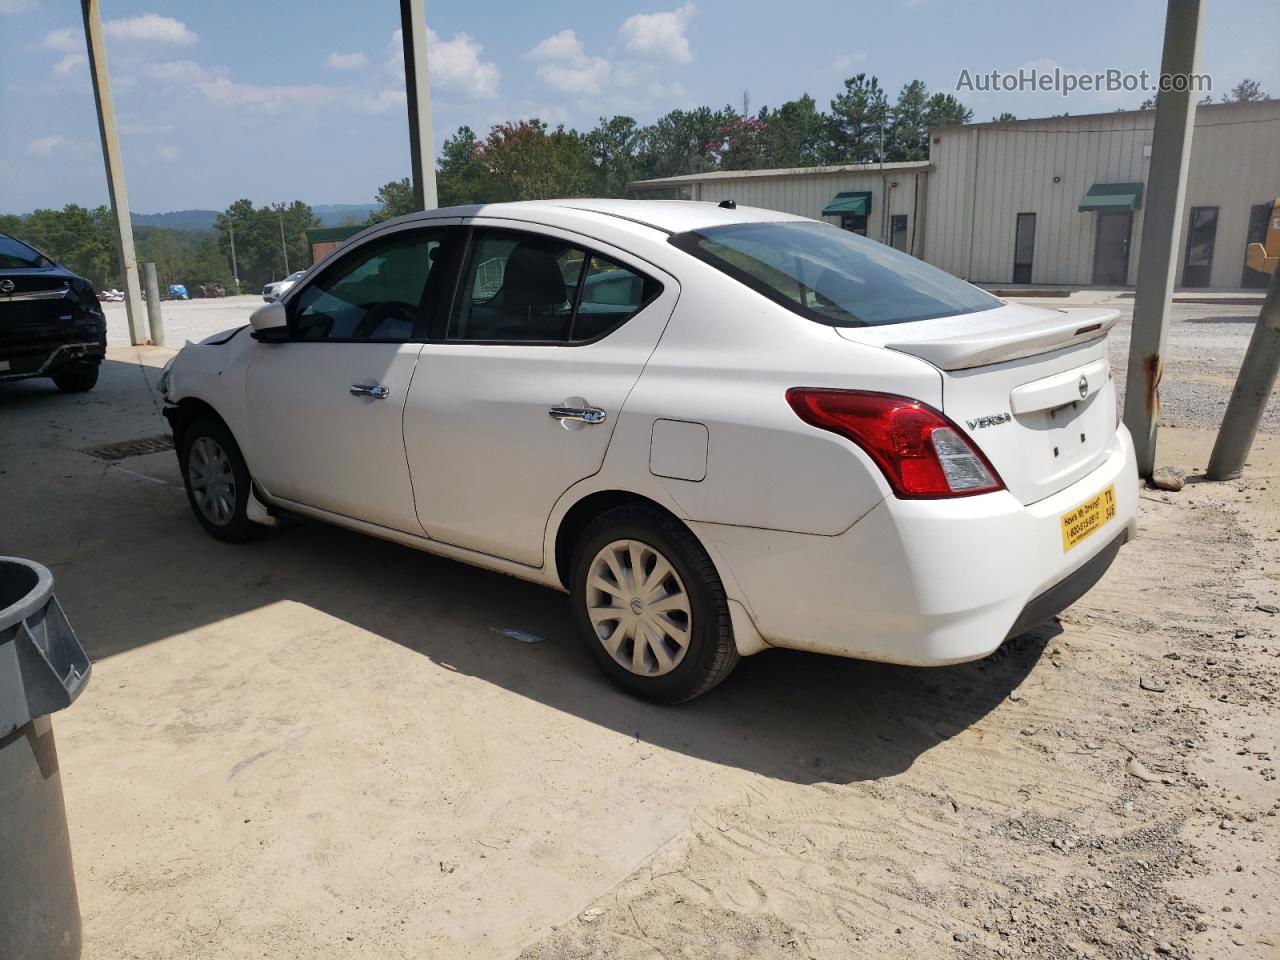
(77, 379)
(711, 653)
(237, 528)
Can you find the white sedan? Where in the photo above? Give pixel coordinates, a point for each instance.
(717, 429)
(278, 288)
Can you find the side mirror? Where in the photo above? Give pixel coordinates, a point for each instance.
(270, 322)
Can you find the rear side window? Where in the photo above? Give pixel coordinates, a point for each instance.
(16, 255)
(524, 287)
(833, 276)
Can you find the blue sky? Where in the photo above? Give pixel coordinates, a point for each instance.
(304, 100)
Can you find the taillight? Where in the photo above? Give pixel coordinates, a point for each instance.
(922, 454)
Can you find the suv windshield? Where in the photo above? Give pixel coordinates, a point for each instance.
(831, 275)
(15, 255)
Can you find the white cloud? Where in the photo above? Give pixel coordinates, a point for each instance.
(46, 145)
(65, 39)
(17, 6)
(381, 102)
(347, 61)
(847, 60)
(224, 92)
(68, 63)
(566, 67)
(150, 27)
(176, 71)
(660, 36)
(167, 152)
(455, 65)
(564, 45)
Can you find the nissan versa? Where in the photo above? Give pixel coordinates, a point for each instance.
(717, 429)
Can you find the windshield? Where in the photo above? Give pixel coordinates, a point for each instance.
(14, 255)
(831, 275)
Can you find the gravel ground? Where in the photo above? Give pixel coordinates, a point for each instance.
(1205, 348)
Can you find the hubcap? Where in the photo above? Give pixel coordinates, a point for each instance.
(213, 482)
(639, 608)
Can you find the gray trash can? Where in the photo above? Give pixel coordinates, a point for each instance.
(43, 668)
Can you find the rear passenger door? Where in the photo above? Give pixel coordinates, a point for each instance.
(517, 393)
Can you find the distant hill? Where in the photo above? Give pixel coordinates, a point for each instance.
(329, 215)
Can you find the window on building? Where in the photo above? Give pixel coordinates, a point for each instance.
(898, 232)
(1024, 247)
(854, 224)
(1202, 230)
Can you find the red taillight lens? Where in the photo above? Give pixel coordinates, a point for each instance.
(922, 454)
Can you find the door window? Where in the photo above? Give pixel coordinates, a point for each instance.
(898, 231)
(1024, 245)
(1201, 232)
(377, 293)
(521, 287)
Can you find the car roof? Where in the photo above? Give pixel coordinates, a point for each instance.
(665, 216)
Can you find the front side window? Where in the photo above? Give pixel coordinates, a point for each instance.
(522, 287)
(833, 276)
(376, 293)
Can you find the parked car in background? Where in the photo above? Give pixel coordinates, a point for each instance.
(717, 429)
(275, 290)
(51, 324)
(177, 291)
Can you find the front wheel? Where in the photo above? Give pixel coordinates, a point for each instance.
(217, 481)
(650, 606)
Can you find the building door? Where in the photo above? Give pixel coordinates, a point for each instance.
(1111, 249)
(1202, 228)
(1259, 213)
(1024, 245)
(898, 232)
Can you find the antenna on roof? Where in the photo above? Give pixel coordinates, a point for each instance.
(728, 204)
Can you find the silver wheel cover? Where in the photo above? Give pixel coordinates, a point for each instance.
(213, 482)
(638, 607)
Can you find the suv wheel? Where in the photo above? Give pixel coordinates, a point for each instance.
(77, 379)
(650, 606)
(217, 480)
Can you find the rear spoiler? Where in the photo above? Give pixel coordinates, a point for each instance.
(960, 351)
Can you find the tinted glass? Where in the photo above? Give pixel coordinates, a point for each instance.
(14, 255)
(375, 294)
(611, 295)
(517, 286)
(833, 276)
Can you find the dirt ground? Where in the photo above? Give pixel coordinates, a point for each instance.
(320, 745)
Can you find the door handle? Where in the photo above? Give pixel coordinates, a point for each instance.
(375, 390)
(584, 414)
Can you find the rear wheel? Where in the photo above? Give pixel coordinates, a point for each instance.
(217, 481)
(77, 379)
(650, 606)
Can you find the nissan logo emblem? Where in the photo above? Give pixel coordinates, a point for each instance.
(6, 286)
(1084, 387)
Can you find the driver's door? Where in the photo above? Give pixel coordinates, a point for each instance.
(325, 406)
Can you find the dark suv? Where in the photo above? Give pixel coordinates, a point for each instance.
(50, 322)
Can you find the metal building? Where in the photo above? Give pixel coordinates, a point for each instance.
(1050, 201)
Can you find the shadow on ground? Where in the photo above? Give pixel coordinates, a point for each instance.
(133, 567)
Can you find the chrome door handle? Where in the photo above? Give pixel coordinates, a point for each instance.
(376, 390)
(584, 414)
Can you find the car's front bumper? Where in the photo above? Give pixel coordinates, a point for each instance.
(925, 581)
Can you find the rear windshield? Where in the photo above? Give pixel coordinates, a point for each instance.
(15, 255)
(831, 275)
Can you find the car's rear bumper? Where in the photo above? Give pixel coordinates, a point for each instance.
(46, 359)
(926, 581)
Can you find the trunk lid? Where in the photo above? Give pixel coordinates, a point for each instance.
(1030, 387)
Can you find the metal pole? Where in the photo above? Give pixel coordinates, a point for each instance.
(1161, 220)
(284, 247)
(1253, 387)
(154, 319)
(115, 168)
(413, 28)
(235, 271)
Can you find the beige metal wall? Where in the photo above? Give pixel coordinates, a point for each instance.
(985, 175)
(808, 194)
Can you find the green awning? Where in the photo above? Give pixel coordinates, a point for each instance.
(851, 203)
(1107, 197)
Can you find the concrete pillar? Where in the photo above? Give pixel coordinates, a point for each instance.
(1161, 221)
(422, 154)
(115, 168)
(154, 319)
